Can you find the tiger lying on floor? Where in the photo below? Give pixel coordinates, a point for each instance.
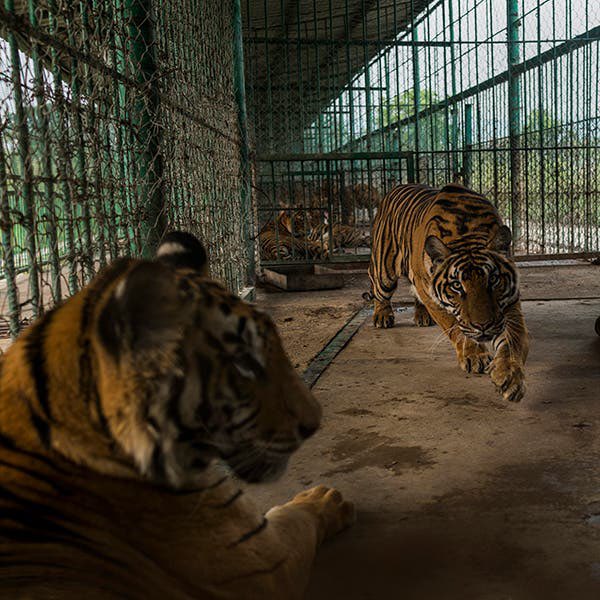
(116, 410)
(453, 248)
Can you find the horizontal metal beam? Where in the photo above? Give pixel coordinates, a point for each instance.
(593, 35)
(334, 156)
(385, 43)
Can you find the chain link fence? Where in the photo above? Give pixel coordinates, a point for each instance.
(118, 120)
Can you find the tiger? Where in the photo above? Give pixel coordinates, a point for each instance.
(128, 417)
(277, 243)
(314, 229)
(344, 236)
(452, 246)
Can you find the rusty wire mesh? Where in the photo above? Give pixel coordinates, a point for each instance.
(118, 120)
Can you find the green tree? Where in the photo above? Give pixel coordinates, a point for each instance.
(432, 128)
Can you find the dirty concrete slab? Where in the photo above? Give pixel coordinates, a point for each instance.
(459, 494)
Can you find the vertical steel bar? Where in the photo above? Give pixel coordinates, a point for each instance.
(514, 119)
(64, 162)
(453, 83)
(143, 116)
(82, 210)
(240, 97)
(416, 90)
(46, 164)
(6, 227)
(24, 155)
(468, 146)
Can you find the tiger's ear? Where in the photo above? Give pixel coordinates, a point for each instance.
(145, 309)
(436, 249)
(180, 249)
(501, 241)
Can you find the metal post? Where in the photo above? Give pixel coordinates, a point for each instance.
(25, 165)
(468, 146)
(240, 97)
(416, 97)
(46, 165)
(8, 255)
(454, 109)
(514, 117)
(143, 118)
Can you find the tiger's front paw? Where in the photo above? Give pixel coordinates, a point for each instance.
(508, 376)
(473, 357)
(422, 316)
(383, 316)
(335, 514)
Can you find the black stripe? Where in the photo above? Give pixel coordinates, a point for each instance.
(250, 534)
(42, 428)
(243, 422)
(8, 444)
(34, 475)
(230, 501)
(36, 359)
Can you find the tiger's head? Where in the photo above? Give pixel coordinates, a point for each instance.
(476, 284)
(165, 370)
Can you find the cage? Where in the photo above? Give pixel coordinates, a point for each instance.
(502, 97)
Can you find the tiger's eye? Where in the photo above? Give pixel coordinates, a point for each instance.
(456, 286)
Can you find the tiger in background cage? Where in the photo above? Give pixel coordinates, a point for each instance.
(314, 220)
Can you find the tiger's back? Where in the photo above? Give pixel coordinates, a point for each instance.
(412, 212)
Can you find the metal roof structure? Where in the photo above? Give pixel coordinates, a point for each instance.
(300, 54)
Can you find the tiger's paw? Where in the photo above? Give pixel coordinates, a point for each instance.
(474, 358)
(422, 316)
(335, 514)
(509, 378)
(383, 317)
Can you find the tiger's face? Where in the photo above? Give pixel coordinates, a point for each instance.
(476, 286)
(196, 373)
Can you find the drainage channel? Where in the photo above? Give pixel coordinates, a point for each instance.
(336, 344)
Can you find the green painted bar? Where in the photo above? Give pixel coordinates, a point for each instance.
(8, 257)
(63, 161)
(50, 208)
(145, 145)
(240, 96)
(81, 209)
(514, 118)
(467, 168)
(24, 154)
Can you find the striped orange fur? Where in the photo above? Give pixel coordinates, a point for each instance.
(452, 246)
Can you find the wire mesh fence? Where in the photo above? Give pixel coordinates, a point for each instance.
(118, 120)
(503, 96)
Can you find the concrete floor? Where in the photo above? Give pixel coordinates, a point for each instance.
(460, 495)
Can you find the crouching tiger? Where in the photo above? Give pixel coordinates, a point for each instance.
(118, 412)
(451, 245)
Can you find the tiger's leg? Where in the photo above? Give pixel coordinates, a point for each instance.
(422, 316)
(511, 349)
(302, 524)
(472, 356)
(384, 280)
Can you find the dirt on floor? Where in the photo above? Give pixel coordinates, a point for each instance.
(458, 494)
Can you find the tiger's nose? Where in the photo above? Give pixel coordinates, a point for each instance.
(483, 327)
(306, 431)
